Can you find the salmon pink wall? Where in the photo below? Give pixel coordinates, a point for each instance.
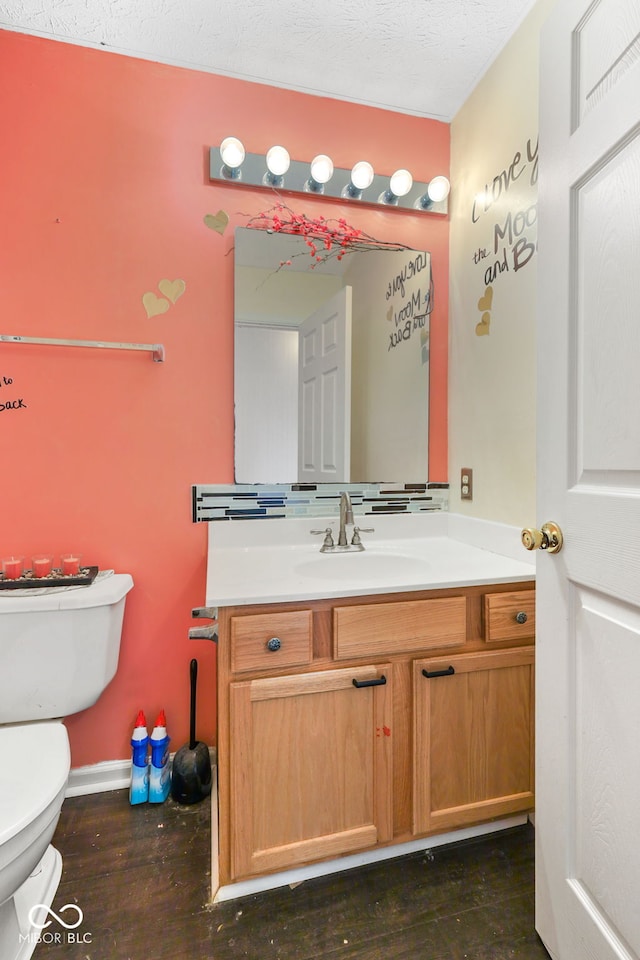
(104, 190)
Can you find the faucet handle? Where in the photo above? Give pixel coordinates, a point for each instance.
(328, 536)
(355, 540)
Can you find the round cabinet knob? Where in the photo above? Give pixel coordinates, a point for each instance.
(521, 617)
(274, 644)
(531, 538)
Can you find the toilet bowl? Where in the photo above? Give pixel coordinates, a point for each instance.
(58, 652)
(28, 819)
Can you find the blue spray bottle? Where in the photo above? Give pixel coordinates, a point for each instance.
(160, 774)
(139, 789)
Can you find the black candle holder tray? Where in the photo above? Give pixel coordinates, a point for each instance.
(56, 578)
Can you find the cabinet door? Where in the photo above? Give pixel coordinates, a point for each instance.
(473, 738)
(311, 767)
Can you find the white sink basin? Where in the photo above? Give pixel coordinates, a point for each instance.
(361, 566)
(279, 561)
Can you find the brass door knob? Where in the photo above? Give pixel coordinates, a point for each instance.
(548, 537)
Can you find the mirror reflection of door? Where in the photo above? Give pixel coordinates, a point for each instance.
(324, 392)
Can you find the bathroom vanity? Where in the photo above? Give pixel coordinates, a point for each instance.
(368, 700)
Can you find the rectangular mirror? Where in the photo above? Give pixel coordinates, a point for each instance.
(331, 363)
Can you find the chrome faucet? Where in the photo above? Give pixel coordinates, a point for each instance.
(346, 516)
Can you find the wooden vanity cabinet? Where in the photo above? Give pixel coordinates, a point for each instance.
(332, 740)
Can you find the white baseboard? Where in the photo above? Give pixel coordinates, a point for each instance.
(108, 775)
(292, 877)
(99, 777)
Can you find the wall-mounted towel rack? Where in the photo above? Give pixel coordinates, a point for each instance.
(157, 349)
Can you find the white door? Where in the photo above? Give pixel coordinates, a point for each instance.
(324, 392)
(588, 595)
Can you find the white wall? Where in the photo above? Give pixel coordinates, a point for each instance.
(266, 405)
(280, 296)
(493, 266)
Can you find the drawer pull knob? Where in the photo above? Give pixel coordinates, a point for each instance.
(430, 674)
(378, 682)
(521, 617)
(274, 644)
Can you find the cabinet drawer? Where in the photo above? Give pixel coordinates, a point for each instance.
(509, 616)
(367, 630)
(250, 637)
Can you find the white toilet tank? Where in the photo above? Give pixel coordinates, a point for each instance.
(59, 650)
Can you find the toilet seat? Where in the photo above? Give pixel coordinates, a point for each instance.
(34, 767)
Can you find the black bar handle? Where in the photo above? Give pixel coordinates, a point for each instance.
(438, 673)
(379, 682)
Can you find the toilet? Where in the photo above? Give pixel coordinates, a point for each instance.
(58, 651)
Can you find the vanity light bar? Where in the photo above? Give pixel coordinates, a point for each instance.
(277, 171)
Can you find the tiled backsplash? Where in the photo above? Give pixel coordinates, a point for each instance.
(244, 501)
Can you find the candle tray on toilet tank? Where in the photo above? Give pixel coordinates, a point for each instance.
(56, 578)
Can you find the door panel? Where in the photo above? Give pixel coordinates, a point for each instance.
(606, 721)
(607, 43)
(588, 595)
(607, 332)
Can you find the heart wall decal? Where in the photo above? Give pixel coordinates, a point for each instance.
(172, 289)
(485, 301)
(217, 221)
(482, 328)
(154, 305)
(484, 306)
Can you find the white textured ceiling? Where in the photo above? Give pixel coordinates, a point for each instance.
(419, 57)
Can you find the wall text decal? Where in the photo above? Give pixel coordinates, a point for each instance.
(509, 203)
(415, 303)
(5, 402)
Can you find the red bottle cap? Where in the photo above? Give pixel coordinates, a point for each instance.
(140, 719)
(162, 720)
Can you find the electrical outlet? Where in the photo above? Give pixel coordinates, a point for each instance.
(466, 483)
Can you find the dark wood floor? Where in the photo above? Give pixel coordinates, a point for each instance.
(141, 877)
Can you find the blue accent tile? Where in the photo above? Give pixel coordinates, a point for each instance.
(215, 502)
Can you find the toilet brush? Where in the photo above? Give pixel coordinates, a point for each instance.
(191, 773)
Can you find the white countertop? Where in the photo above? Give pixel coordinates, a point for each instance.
(274, 561)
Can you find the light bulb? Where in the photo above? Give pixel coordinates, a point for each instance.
(322, 168)
(362, 175)
(438, 189)
(232, 152)
(400, 183)
(278, 161)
